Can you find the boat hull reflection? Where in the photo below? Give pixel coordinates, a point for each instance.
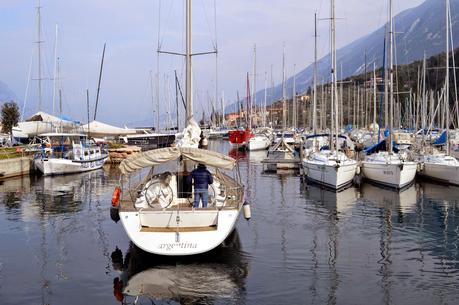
(219, 274)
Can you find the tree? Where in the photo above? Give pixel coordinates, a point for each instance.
(10, 117)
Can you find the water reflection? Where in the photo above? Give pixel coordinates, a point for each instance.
(202, 279)
(12, 191)
(403, 201)
(257, 156)
(307, 245)
(335, 203)
(330, 206)
(237, 154)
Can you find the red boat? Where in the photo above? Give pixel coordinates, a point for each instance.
(240, 137)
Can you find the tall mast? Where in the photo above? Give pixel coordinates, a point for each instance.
(39, 42)
(152, 92)
(223, 108)
(100, 79)
(365, 101)
(248, 104)
(424, 95)
(447, 77)
(189, 83)
(222, 122)
(334, 95)
(60, 91)
(314, 103)
(254, 85)
(284, 104)
(391, 74)
(265, 98)
(294, 108)
(55, 77)
(374, 96)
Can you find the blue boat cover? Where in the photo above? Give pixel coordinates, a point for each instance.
(441, 140)
(381, 146)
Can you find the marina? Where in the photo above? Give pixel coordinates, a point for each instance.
(334, 184)
(304, 244)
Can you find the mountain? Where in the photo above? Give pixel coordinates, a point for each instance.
(419, 29)
(5, 93)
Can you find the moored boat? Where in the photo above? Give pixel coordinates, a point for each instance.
(68, 153)
(164, 222)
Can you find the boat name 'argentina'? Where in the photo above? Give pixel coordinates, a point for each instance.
(170, 246)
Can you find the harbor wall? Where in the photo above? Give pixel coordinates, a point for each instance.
(15, 167)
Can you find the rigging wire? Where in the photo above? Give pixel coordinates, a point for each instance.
(26, 94)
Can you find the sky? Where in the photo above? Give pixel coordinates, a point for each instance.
(131, 28)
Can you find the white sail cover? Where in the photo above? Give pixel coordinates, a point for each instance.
(163, 155)
(99, 129)
(191, 135)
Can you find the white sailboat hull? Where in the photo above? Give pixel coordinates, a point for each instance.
(64, 166)
(397, 175)
(332, 176)
(258, 143)
(441, 172)
(198, 231)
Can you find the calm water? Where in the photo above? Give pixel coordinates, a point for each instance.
(304, 245)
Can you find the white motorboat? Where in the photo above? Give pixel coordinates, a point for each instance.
(259, 142)
(440, 167)
(217, 133)
(165, 222)
(68, 153)
(390, 169)
(334, 170)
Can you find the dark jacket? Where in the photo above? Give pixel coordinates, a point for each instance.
(202, 178)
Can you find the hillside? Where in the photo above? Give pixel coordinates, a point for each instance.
(6, 93)
(406, 81)
(422, 29)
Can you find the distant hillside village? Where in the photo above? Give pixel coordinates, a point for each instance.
(356, 97)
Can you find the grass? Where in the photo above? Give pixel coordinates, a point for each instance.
(115, 145)
(12, 152)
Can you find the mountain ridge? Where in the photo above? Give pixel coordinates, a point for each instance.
(421, 29)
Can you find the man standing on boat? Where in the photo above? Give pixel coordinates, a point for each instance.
(202, 178)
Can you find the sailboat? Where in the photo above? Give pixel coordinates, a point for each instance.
(41, 122)
(160, 218)
(282, 155)
(437, 165)
(240, 137)
(329, 167)
(263, 136)
(390, 168)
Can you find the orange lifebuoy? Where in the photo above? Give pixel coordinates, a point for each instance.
(116, 197)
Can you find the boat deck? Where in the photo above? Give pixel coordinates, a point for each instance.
(234, 196)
